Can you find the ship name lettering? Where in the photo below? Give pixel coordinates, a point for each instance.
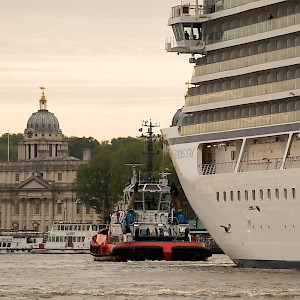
(184, 153)
(70, 233)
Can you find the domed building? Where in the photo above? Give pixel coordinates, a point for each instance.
(39, 188)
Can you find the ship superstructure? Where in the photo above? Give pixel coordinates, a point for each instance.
(235, 143)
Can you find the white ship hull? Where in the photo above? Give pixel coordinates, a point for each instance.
(235, 143)
(268, 237)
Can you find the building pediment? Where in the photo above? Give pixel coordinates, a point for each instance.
(34, 182)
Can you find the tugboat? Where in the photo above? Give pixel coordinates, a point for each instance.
(149, 224)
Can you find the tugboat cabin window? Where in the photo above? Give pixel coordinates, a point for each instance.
(164, 205)
(151, 201)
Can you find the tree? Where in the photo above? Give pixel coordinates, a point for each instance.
(13, 146)
(93, 183)
(77, 145)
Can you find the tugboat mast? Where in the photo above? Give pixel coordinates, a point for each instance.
(149, 138)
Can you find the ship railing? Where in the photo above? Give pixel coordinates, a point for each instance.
(188, 9)
(292, 162)
(217, 168)
(250, 165)
(260, 164)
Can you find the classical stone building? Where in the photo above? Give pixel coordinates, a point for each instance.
(39, 188)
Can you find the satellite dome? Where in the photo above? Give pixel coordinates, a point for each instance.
(178, 115)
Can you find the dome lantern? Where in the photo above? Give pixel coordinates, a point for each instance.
(43, 121)
(43, 101)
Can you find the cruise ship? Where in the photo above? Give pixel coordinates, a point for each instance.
(235, 143)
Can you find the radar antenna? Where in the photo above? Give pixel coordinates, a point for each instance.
(150, 138)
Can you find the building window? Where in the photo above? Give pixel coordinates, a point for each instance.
(231, 195)
(253, 194)
(218, 196)
(78, 208)
(239, 195)
(17, 209)
(277, 193)
(59, 208)
(285, 193)
(17, 177)
(293, 193)
(59, 176)
(37, 208)
(224, 196)
(269, 194)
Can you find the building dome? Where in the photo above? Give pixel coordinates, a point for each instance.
(43, 120)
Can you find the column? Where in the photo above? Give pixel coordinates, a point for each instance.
(28, 216)
(42, 228)
(8, 214)
(51, 209)
(74, 211)
(21, 214)
(69, 210)
(3, 214)
(83, 218)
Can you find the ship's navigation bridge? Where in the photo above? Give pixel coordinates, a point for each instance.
(186, 21)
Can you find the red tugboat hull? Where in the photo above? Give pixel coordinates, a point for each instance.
(144, 250)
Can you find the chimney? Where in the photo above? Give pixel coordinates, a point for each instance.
(86, 155)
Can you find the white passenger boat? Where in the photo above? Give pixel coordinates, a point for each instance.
(16, 241)
(69, 238)
(235, 144)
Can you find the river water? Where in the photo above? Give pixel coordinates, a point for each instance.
(34, 276)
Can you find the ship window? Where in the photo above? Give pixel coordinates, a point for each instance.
(231, 195)
(246, 195)
(269, 194)
(138, 205)
(261, 194)
(277, 193)
(4, 245)
(253, 194)
(164, 206)
(57, 239)
(285, 193)
(224, 196)
(293, 193)
(218, 196)
(239, 195)
(232, 155)
(8, 244)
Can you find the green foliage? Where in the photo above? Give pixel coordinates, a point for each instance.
(93, 182)
(13, 146)
(77, 145)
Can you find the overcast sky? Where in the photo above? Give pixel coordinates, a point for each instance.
(103, 64)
